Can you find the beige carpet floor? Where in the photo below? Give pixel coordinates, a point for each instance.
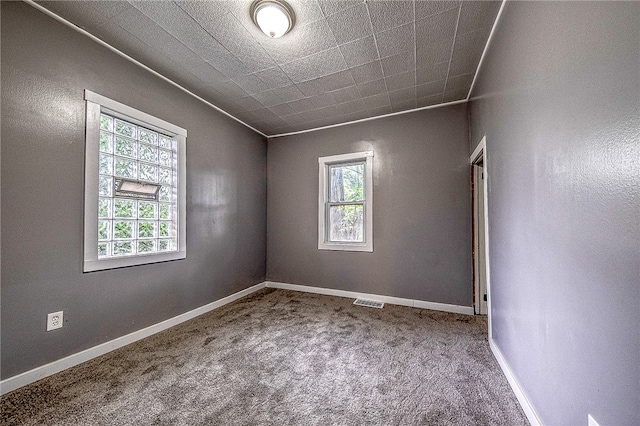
(279, 357)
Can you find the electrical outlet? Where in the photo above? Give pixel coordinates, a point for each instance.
(54, 320)
(592, 422)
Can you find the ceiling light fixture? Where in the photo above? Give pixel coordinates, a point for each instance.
(274, 17)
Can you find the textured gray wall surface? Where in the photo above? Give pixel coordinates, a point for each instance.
(421, 208)
(559, 101)
(45, 68)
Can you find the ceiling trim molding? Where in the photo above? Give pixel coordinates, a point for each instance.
(140, 64)
(486, 47)
(347, 123)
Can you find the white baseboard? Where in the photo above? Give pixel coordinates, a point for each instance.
(38, 373)
(468, 310)
(515, 386)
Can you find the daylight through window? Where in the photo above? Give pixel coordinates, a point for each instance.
(134, 187)
(345, 202)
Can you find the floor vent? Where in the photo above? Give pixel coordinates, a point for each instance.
(369, 303)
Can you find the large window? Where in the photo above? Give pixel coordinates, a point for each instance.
(134, 187)
(345, 202)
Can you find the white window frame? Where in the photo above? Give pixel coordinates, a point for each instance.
(323, 199)
(95, 103)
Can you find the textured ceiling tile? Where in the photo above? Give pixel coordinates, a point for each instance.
(322, 100)
(398, 64)
(350, 107)
(264, 114)
(317, 65)
(389, 14)
(429, 100)
(276, 123)
(346, 94)
(335, 81)
(401, 81)
(309, 88)
(250, 83)
(359, 52)
(326, 70)
(464, 65)
(239, 42)
(248, 103)
(461, 82)
(430, 89)
(433, 7)
(293, 119)
(398, 106)
(330, 7)
(307, 11)
(376, 101)
(350, 24)
(138, 24)
(268, 98)
(88, 14)
(301, 105)
(432, 73)
(274, 77)
(303, 40)
(245, 116)
(282, 109)
(289, 93)
(367, 72)
(231, 66)
(207, 73)
(434, 53)
(310, 115)
(229, 89)
(467, 50)
(371, 88)
(402, 95)
(477, 14)
(455, 95)
(396, 40)
(436, 27)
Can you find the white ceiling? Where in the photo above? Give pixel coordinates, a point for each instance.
(343, 61)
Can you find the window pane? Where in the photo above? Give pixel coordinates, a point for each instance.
(126, 147)
(123, 229)
(346, 223)
(106, 123)
(124, 208)
(148, 173)
(346, 182)
(125, 168)
(146, 229)
(145, 246)
(106, 142)
(148, 153)
(122, 247)
(104, 208)
(147, 210)
(125, 129)
(127, 226)
(105, 165)
(148, 136)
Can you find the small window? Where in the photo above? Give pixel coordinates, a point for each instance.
(135, 187)
(345, 202)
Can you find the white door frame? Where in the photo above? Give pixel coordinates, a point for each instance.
(481, 151)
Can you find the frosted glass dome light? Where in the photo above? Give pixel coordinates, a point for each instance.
(274, 17)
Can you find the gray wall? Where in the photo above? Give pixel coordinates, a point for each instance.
(45, 67)
(559, 101)
(421, 208)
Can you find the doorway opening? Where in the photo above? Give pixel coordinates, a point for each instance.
(479, 179)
